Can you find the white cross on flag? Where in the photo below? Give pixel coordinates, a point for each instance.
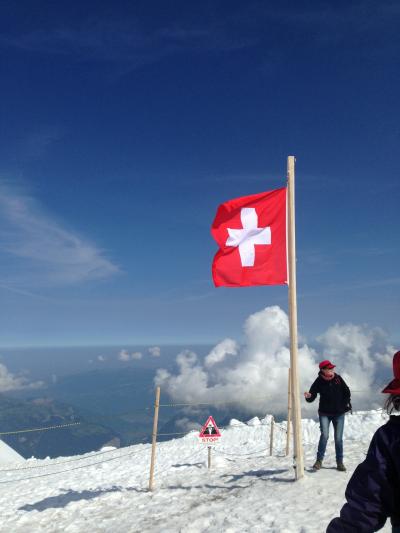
(251, 234)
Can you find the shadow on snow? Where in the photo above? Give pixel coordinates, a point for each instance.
(62, 500)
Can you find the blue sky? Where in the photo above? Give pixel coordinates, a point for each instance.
(125, 124)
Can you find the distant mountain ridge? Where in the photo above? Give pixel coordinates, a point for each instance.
(114, 406)
(113, 403)
(40, 412)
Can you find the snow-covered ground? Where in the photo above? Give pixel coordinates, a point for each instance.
(8, 455)
(245, 490)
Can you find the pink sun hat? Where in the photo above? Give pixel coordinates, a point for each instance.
(394, 386)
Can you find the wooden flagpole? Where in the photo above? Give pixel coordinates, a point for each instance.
(298, 459)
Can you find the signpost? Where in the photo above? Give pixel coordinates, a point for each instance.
(209, 434)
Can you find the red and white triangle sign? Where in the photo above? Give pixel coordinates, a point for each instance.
(210, 432)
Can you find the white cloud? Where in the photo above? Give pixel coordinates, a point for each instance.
(9, 381)
(186, 424)
(245, 375)
(43, 251)
(221, 351)
(101, 358)
(123, 44)
(362, 354)
(155, 351)
(124, 355)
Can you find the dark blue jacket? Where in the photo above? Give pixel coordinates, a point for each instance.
(334, 395)
(373, 492)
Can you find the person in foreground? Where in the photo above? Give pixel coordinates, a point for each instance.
(334, 402)
(373, 492)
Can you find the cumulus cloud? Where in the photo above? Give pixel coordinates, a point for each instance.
(224, 349)
(155, 351)
(253, 376)
(124, 355)
(362, 355)
(10, 381)
(186, 424)
(101, 358)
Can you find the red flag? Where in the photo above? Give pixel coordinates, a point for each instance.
(251, 234)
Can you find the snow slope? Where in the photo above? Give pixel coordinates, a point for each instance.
(8, 455)
(245, 490)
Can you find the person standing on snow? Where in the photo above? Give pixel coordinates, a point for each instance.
(334, 402)
(373, 492)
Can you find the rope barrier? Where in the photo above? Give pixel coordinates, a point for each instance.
(158, 472)
(223, 402)
(254, 452)
(181, 433)
(56, 463)
(61, 426)
(17, 432)
(145, 408)
(70, 469)
(132, 453)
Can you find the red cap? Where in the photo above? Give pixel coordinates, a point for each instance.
(326, 364)
(394, 385)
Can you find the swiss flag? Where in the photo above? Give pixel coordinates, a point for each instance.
(251, 234)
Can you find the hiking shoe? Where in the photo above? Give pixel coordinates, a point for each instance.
(317, 465)
(340, 466)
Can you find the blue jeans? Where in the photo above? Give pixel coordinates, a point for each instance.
(338, 425)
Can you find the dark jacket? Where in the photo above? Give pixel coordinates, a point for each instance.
(334, 395)
(373, 492)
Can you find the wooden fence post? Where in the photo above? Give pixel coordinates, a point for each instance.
(154, 439)
(271, 436)
(289, 412)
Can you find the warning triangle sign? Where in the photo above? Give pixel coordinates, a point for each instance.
(210, 429)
